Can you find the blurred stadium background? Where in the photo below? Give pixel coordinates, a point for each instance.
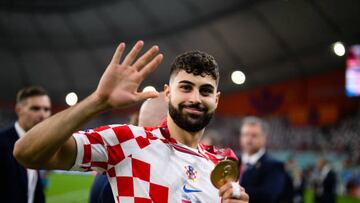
(299, 63)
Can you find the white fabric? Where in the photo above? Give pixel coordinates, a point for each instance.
(236, 192)
(167, 164)
(252, 159)
(324, 172)
(32, 174)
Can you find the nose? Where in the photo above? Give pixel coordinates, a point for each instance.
(195, 97)
(44, 113)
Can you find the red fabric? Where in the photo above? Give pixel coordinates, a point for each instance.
(125, 186)
(158, 193)
(140, 169)
(87, 153)
(123, 133)
(115, 154)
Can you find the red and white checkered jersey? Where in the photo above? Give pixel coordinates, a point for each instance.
(144, 164)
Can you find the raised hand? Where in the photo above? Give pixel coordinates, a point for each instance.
(119, 83)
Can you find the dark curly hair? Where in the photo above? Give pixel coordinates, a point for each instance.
(197, 63)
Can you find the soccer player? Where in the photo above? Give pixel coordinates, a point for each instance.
(144, 164)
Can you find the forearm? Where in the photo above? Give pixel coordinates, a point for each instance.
(41, 143)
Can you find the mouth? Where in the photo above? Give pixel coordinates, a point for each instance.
(193, 110)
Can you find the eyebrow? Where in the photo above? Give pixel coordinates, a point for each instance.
(191, 83)
(187, 82)
(208, 86)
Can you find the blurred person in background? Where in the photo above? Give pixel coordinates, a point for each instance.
(18, 184)
(298, 181)
(152, 113)
(264, 178)
(324, 183)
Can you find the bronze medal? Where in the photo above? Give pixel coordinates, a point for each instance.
(225, 171)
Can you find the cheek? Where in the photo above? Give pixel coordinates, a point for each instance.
(244, 140)
(211, 103)
(47, 114)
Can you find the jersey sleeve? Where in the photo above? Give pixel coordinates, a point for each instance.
(101, 148)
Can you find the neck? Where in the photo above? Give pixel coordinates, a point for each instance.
(254, 152)
(21, 124)
(190, 139)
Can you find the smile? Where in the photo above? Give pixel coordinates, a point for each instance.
(193, 110)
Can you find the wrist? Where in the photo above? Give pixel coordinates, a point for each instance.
(98, 104)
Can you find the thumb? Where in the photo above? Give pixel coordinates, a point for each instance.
(147, 95)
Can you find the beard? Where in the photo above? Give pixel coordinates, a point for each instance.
(187, 121)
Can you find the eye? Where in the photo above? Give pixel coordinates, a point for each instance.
(206, 91)
(34, 108)
(186, 88)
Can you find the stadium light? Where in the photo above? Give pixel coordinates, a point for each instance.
(71, 99)
(238, 77)
(339, 48)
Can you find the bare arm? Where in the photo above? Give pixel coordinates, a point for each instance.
(50, 144)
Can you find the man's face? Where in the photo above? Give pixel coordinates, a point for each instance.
(252, 138)
(33, 110)
(192, 100)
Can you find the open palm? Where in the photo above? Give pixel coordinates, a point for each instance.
(118, 86)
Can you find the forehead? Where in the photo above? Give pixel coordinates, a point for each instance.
(42, 100)
(251, 128)
(197, 80)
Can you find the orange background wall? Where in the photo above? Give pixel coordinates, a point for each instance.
(318, 99)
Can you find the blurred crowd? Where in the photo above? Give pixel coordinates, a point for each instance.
(302, 147)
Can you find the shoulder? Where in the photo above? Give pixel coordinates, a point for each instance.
(219, 153)
(8, 129)
(7, 133)
(271, 162)
(120, 133)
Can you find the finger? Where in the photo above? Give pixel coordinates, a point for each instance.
(146, 58)
(227, 194)
(118, 53)
(224, 188)
(152, 65)
(147, 95)
(233, 201)
(244, 196)
(133, 53)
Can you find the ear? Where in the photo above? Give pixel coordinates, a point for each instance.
(217, 98)
(167, 92)
(18, 109)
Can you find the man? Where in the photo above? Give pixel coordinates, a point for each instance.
(144, 164)
(264, 179)
(298, 180)
(18, 184)
(325, 183)
(152, 113)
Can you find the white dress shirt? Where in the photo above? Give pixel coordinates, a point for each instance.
(31, 173)
(252, 159)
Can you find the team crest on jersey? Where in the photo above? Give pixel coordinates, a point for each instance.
(191, 173)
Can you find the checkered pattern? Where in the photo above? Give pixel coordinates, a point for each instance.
(145, 164)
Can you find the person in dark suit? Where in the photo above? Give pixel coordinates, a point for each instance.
(264, 178)
(18, 184)
(298, 181)
(325, 183)
(152, 113)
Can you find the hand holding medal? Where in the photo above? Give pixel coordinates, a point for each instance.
(224, 177)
